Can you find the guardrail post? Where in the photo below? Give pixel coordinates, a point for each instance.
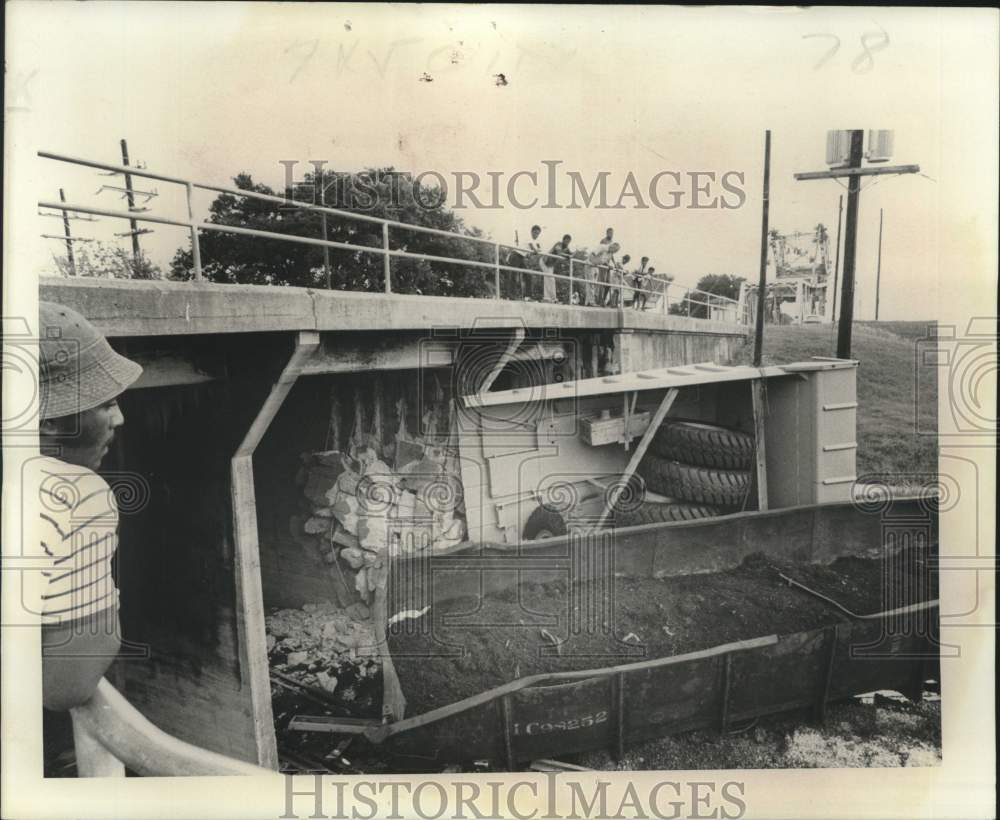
(496, 264)
(386, 259)
(93, 759)
(570, 302)
(195, 240)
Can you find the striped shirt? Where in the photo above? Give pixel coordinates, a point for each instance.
(78, 537)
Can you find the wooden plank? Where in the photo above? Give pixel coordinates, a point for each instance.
(251, 634)
(640, 451)
(875, 170)
(760, 453)
(254, 667)
(332, 725)
(393, 700)
(679, 376)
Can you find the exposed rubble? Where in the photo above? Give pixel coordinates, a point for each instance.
(362, 511)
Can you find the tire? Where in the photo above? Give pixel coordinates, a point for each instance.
(652, 513)
(703, 445)
(543, 523)
(701, 485)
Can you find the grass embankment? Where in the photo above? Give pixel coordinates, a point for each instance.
(892, 417)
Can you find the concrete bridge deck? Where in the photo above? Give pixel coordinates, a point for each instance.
(121, 307)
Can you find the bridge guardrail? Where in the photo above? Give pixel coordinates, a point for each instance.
(691, 296)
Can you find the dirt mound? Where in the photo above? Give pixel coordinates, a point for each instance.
(467, 646)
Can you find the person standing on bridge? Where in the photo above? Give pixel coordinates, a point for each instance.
(536, 261)
(562, 249)
(599, 272)
(639, 280)
(619, 271)
(80, 379)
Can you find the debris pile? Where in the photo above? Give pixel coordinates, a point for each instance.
(360, 510)
(322, 644)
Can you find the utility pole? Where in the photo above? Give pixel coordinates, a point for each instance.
(69, 237)
(850, 249)
(758, 342)
(326, 248)
(836, 263)
(133, 225)
(854, 172)
(878, 269)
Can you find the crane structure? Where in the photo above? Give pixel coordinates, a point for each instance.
(798, 268)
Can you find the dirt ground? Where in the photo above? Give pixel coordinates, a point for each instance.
(469, 646)
(875, 731)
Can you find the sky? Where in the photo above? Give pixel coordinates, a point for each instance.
(205, 91)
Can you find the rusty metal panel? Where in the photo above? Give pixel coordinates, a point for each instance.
(789, 672)
(571, 717)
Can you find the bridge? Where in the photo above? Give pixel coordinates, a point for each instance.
(218, 419)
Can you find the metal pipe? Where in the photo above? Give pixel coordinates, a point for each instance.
(386, 260)
(836, 263)
(195, 238)
(110, 723)
(496, 263)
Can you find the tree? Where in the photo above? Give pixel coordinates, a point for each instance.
(379, 193)
(721, 284)
(101, 260)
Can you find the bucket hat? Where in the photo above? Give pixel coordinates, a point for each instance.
(77, 368)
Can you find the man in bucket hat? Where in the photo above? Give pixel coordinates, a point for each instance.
(80, 379)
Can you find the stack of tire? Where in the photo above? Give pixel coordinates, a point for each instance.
(703, 468)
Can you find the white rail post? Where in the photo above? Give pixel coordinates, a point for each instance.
(570, 302)
(496, 265)
(386, 259)
(93, 759)
(195, 240)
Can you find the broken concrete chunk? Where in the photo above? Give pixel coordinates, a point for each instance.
(297, 659)
(344, 539)
(354, 556)
(359, 611)
(345, 510)
(328, 682)
(321, 480)
(373, 533)
(330, 458)
(316, 525)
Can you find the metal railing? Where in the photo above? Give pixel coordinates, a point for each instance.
(110, 735)
(591, 282)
